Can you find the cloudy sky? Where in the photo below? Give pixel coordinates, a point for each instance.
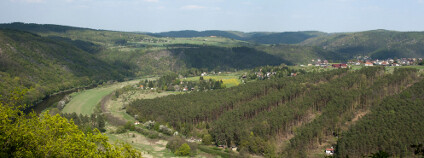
(240, 15)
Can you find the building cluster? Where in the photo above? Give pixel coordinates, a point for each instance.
(387, 62)
(367, 61)
(318, 62)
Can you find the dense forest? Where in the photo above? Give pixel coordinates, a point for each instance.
(216, 58)
(251, 115)
(394, 126)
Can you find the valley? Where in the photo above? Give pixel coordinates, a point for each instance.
(215, 93)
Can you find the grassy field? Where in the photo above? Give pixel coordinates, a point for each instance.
(229, 80)
(84, 102)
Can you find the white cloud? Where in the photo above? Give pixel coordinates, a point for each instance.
(192, 7)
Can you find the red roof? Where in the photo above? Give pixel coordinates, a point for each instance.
(329, 149)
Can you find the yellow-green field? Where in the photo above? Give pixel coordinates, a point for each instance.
(228, 80)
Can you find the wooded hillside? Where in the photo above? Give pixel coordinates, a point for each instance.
(307, 110)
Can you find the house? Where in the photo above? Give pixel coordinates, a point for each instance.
(369, 64)
(336, 65)
(141, 87)
(136, 123)
(385, 63)
(233, 148)
(395, 64)
(329, 151)
(339, 65)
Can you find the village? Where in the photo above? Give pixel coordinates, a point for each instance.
(367, 61)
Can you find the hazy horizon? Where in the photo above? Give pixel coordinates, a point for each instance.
(330, 16)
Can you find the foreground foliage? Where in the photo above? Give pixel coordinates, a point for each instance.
(29, 135)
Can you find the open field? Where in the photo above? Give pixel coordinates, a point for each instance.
(230, 80)
(85, 101)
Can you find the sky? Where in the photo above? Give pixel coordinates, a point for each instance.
(237, 15)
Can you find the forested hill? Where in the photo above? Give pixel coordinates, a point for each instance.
(379, 44)
(45, 65)
(289, 116)
(31, 27)
(394, 126)
(256, 37)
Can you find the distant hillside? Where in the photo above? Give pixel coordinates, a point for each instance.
(256, 37)
(191, 33)
(45, 65)
(300, 54)
(31, 27)
(226, 58)
(377, 44)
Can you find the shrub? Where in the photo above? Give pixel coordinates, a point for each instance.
(207, 139)
(184, 150)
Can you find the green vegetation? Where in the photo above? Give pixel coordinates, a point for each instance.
(257, 37)
(251, 115)
(270, 110)
(46, 66)
(30, 135)
(300, 54)
(378, 44)
(379, 130)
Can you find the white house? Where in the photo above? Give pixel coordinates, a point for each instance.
(329, 151)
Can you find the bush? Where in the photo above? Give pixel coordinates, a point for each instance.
(175, 143)
(184, 150)
(165, 130)
(207, 139)
(129, 126)
(121, 130)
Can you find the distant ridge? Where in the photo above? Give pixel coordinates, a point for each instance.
(256, 37)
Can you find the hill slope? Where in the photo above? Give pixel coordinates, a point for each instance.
(46, 65)
(380, 129)
(292, 116)
(257, 37)
(377, 44)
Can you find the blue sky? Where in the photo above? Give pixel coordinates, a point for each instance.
(239, 15)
